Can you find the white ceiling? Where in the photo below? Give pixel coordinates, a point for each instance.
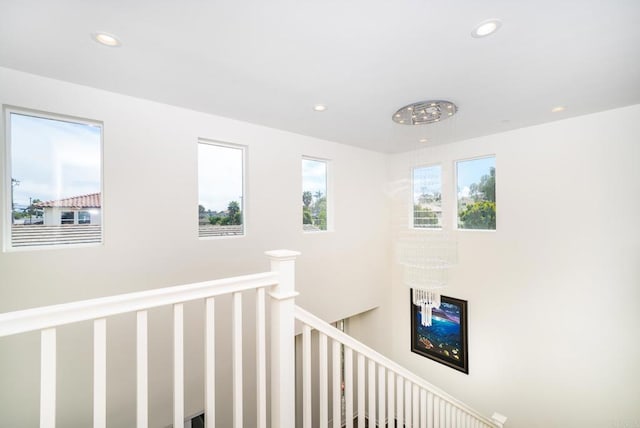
(270, 61)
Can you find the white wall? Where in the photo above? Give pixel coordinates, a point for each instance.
(150, 164)
(553, 293)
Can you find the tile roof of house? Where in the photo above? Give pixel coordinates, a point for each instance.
(92, 200)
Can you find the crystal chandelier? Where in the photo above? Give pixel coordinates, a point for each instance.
(426, 253)
(426, 257)
(425, 112)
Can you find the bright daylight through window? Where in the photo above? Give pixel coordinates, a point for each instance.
(55, 170)
(314, 195)
(476, 182)
(220, 190)
(427, 197)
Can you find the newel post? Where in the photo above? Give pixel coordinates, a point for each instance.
(282, 339)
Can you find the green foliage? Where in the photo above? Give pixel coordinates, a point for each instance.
(307, 198)
(479, 215)
(486, 189)
(234, 215)
(321, 210)
(33, 210)
(306, 215)
(314, 209)
(215, 219)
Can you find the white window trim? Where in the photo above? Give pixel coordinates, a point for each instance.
(330, 212)
(244, 203)
(455, 190)
(442, 199)
(5, 159)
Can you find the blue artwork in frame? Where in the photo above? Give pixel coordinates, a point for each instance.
(445, 340)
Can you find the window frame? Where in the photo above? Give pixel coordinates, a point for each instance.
(411, 209)
(244, 200)
(455, 188)
(6, 216)
(329, 193)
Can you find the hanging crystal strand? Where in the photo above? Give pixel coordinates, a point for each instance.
(436, 302)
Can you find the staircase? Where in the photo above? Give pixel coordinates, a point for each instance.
(340, 383)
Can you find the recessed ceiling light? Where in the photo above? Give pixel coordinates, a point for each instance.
(106, 39)
(423, 140)
(319, 107)
(486, 28)
(558, 109)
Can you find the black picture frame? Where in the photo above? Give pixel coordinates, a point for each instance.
(445, 341)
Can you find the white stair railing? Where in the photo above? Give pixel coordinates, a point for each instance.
(280, 285)
(392, 392)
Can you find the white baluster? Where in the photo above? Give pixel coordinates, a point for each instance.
(390, 398)
(261, 359)
(416, 406)
(448, 414)
(348, 386)
(306, 377)
(178, 365)
(423, 408)
(407, 404)
(210, 364)
(324, 380)
(436, 412)
(361, 391)
(48, 378)
(400, 400)
(237, 360)
(371, 378)
(142, 371)
(336, 388)
(100, 373)
(381, 396)
(429, 410)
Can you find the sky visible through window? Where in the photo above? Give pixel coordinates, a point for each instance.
(314, 176)
(53, 159)
(219, 176)
(471, 171)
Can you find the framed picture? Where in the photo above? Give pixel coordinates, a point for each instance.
(445, 341)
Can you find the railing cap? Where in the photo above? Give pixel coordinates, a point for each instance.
(282, 255)
(500, 419)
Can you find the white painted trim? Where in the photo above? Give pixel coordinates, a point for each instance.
(48, 378)
(55, 315)
(372, 355)
(142, 371)
(100, 373)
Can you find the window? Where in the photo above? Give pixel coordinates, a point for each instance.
(84, 217)
(55, 170)
(67, 217)
(314, 195)
(476, 182)
(220, 189)
(427, 197)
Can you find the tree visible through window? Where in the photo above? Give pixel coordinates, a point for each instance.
(477, 193)
(314, 194)
(55, 165)
(220, 189)
(427, 197)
